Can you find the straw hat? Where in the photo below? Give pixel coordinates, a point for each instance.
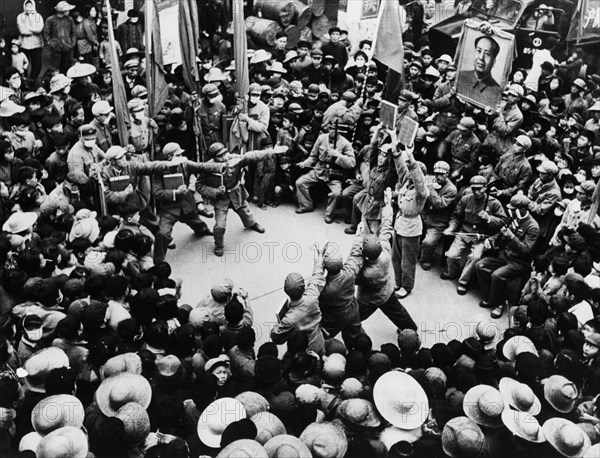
(359, 412)
(516, 345)
(40, 364)
(268, 426)
(19, 222)
(63, 7)
(325, 440)
(592, 452)
(463, 437)
(560, 393)
(285, 446)
(215, 74)
(55, 412)
(520, 396)
(216, 417)
(118, 390)
(136, 422)
(253, 402)
(59, 82)
(523, 425)
(243, 448)
(80, 70)
(9, 108)
(401, 400)
(66, 442)
(126, 362)
(566, 437)
(484, 405)
(260, 55)
(30, 441)
(277, 67)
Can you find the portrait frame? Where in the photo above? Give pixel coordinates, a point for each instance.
(488, 90)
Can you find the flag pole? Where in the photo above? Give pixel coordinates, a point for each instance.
(149, 68)
(369, 59)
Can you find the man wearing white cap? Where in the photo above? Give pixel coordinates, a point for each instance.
(60, 37)
(83, 161)
(507, 118)
(102, 112)
(544, 194)
(514, 170)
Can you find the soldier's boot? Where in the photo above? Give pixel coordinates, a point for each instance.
(219, 235)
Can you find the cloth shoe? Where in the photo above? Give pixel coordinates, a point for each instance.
(257, 228)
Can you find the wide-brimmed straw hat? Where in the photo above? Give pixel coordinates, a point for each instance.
(520, 396)
(566, 437)
(118, 390)
(401, 400)
(484, 405)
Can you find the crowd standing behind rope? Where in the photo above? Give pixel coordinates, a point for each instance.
(99, 357)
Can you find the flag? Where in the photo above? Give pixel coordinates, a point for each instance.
(118, 86)
(238, 134)
(388, 48)
(189, 34)
(240, 50)
(158, 91)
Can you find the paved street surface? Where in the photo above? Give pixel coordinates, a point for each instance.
(259, 263)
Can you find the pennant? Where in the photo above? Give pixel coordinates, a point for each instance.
(158, 91)
(388, 48)
(189, 34)
(118, 86)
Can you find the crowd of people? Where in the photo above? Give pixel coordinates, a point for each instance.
(100, 357)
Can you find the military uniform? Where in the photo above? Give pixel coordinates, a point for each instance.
(235, 195)
(465, 218)
(172, 207)
(327, 170)
(437, 215)
(494, 272)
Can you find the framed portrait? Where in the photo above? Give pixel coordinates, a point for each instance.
(484, 62)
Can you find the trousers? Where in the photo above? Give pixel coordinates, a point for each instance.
(307, 181)
(405, 253)
(393, 309)
(432, 239)
(455, 253)
(165, 229)
(494, 273)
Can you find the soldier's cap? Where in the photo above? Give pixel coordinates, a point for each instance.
(441, 167)
(172, 149)
(451, 68)
(115, 153)
(466, 123)
(349, 96)
(548, 167)
(408, 95)
(524, 141)
(313, 88)
(478, 181)
(316, 52)
(295, 108)
(330, 58)
(579, 83)
(515, 89)
(417, 63)
(255, 89)
(87, 130)
(518, 201)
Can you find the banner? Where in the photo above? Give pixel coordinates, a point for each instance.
(388, 48)
(189, 34)
(585, 25)
(158, 90)
(118, 86)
